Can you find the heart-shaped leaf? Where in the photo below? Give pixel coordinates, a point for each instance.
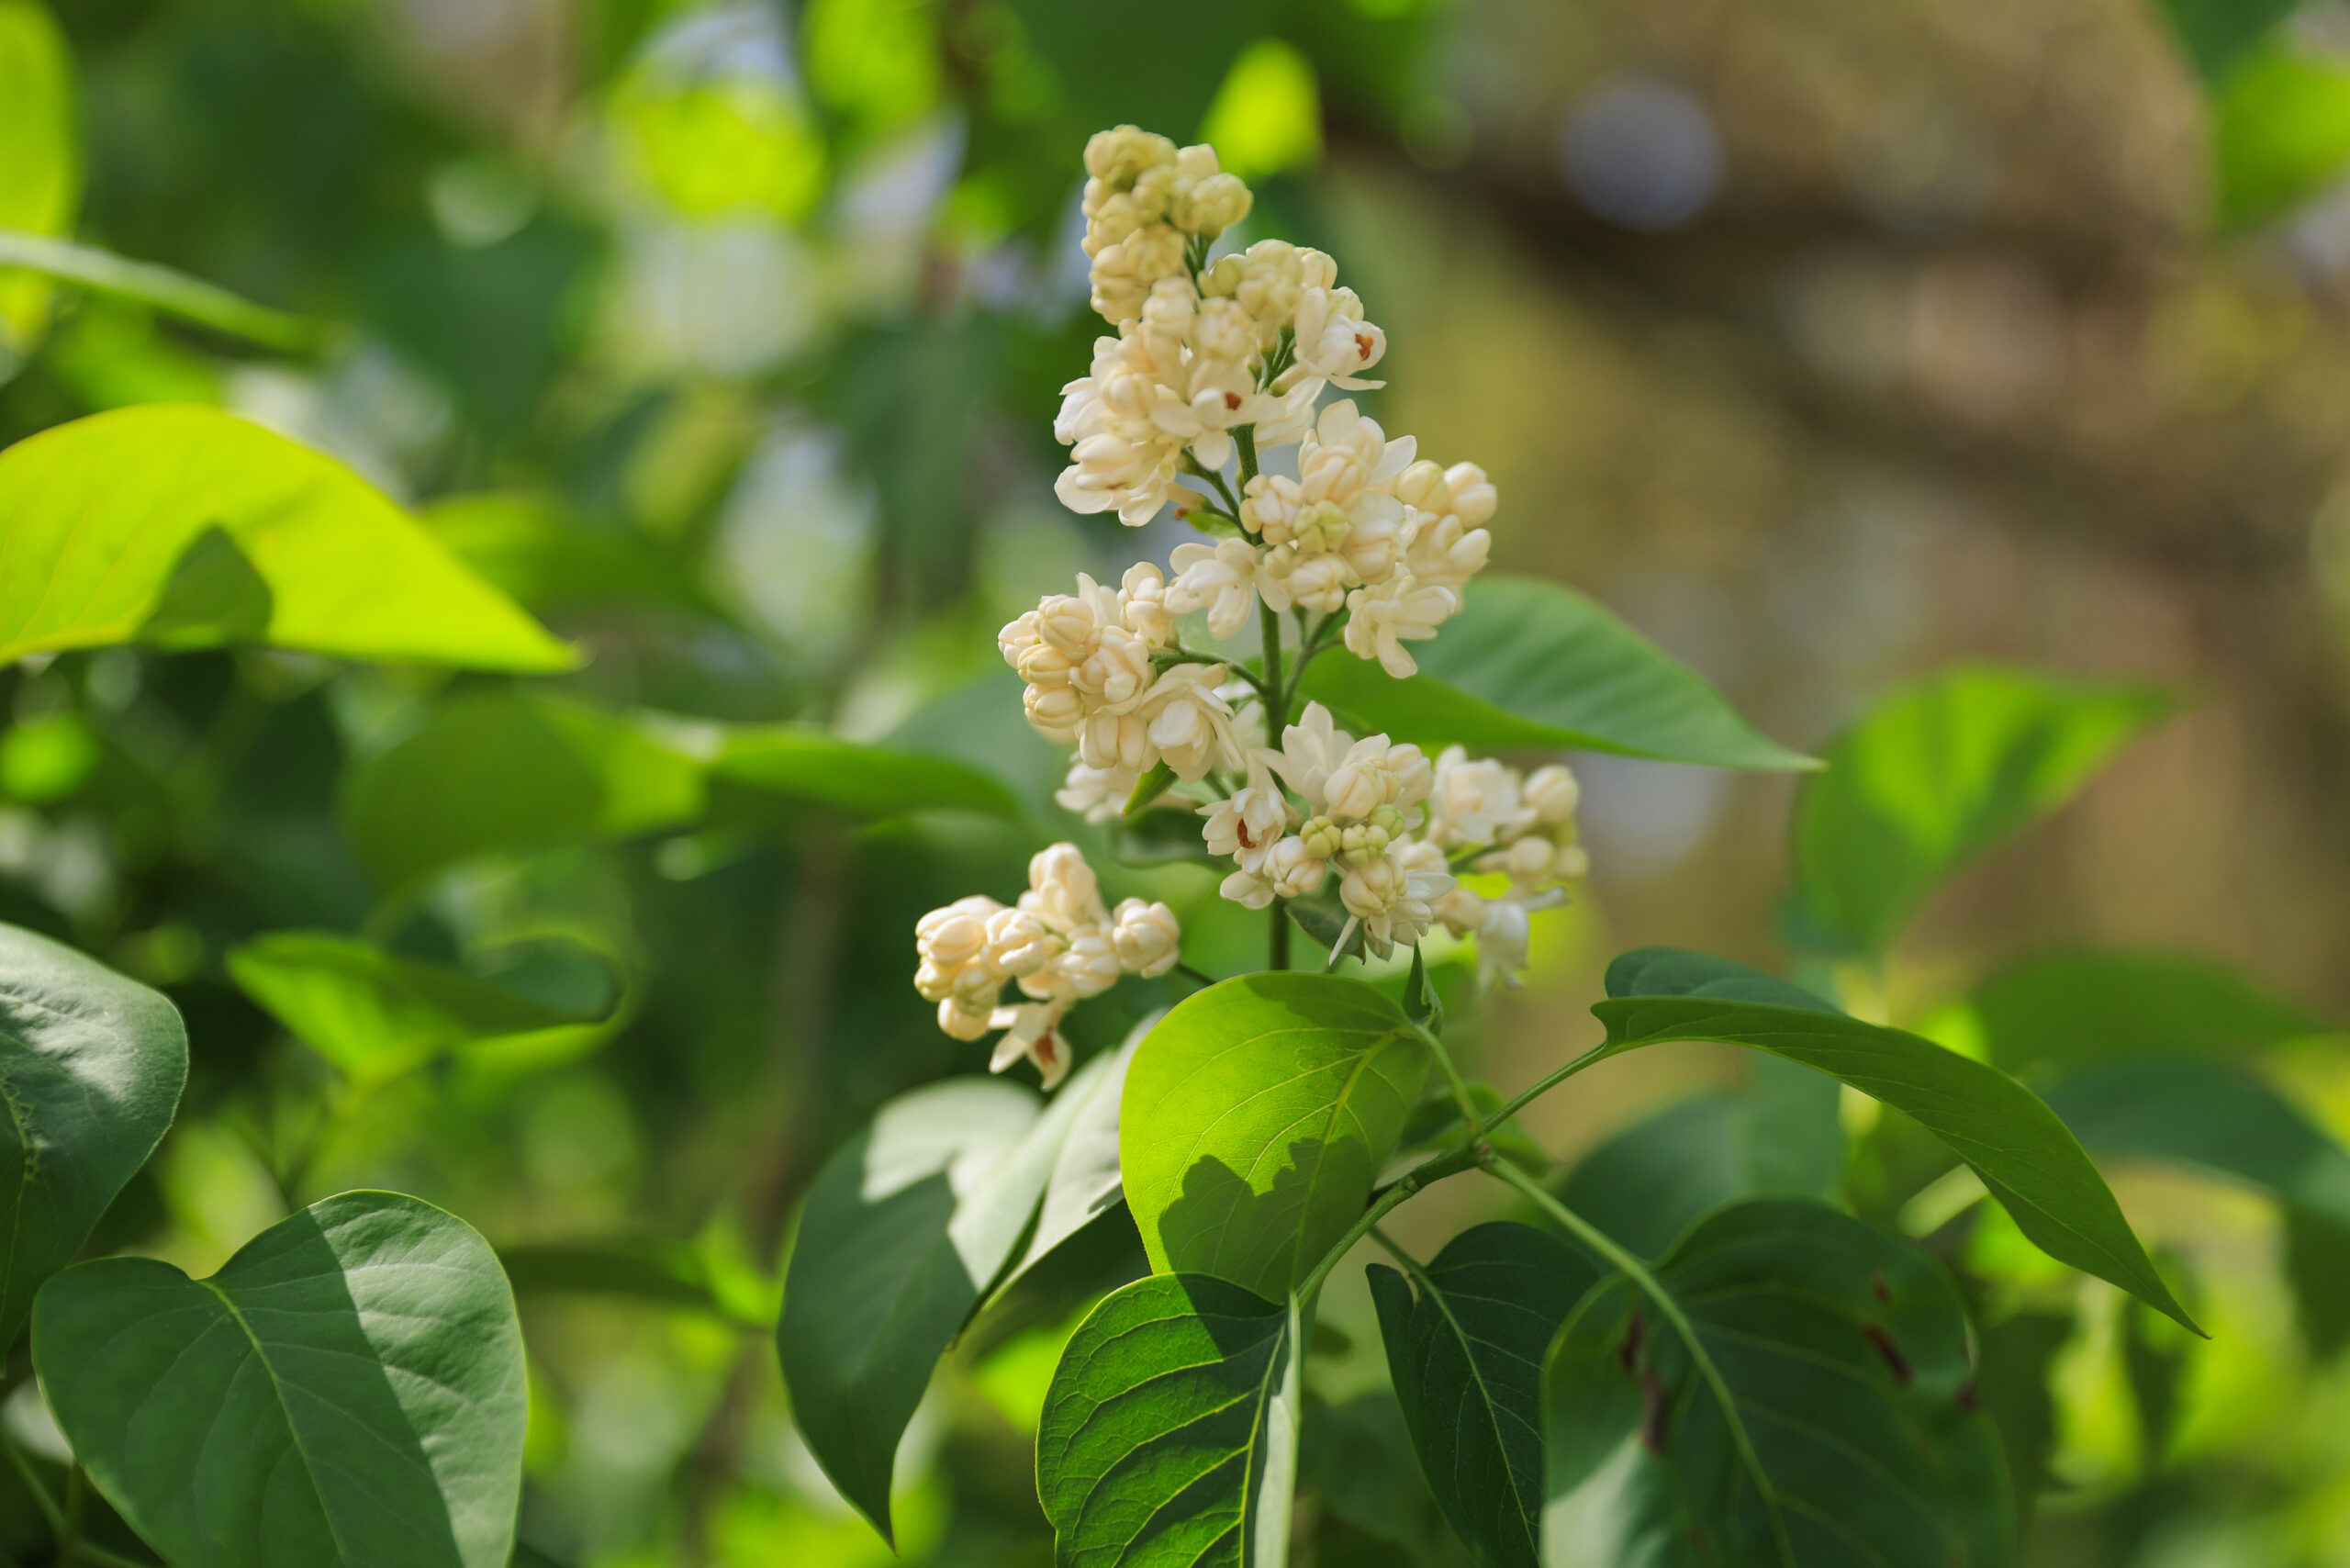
(1851, 1434)
(91, 1065)
(2024, 1153)
(1466, 1358)
(347, 1392)
(1256, 1115)
(1170, 1433)
(1932, 776)
(188, 527)
(1528, 665)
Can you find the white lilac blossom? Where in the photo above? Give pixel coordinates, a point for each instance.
(1057, 945)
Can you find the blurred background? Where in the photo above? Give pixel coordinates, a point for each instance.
(1827, 343)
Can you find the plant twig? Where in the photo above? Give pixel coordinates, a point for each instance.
(174, 293)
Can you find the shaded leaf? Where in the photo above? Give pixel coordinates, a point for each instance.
(1256, 1115)
(2317, 1268)
(1435, 1125)
(1844, 1353)
(1528, 665)
(1171, 1430)
(802, 764)
(188, 527)
(92, 1065)
(525, 544)
(2216, 34)
(1358, 1457)
(2024, 1154)
(1934, 775)
(347, 1389)
(1465, 1352)
(2013, 1386)
(2078, 1007)
(377, 1016)
(505, 774)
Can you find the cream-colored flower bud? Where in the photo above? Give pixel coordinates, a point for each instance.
(1016, 638)
(1393, 821)
(1066, 886)
(1088, 967)
(1321, 526)
(1318, 583)
(956, 934)
(1247, 888)
(962, 1024)
(1295, 872)
(1115, 741)
(1422, 485)
(1196, 163)
(1066, 623)
(1055, 711)
(1190, 724)
(1020, 943)
(1553, 793)
(1470, 496)
(1368, 890)
(1321, 837)
(1117, 673)
(1361, 842)
(1149, 941)
(1413, 775)
(1315, 269)
(1142, 602)
(1573, 863)
(1532, 861)
(1213, 206)
(1119, 155)
(1271, 507)
(1462, 911)
(1223, 331)
(1044, 665)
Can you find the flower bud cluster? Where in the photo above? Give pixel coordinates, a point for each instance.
(1102, 676)
(1146, 202)
(1059, 944)
(1504, 824)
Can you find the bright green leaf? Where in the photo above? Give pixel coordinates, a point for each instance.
(1844, 1352)
(188, 527)
(93, 1065)
(802, 764)
(1531, 665)
(1932, 776)
(48, 758)
(1170, 1434)
(507, 774)
(1465, 1352)
(1267, 118)
(2280, 132)
(2082, 1006)
(1256, 1115)
(904, 1230)
(347, 1389)
(41, 151)
(2024, 1154)
(377, 1016)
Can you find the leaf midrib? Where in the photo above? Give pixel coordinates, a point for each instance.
(293, 1433)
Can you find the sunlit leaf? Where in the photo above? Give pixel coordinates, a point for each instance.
(1844, 1353)
(505, 774)
(1934, 775)
(2280, 132)
(375, 1015)
(347, 1389)
(93, 1065)
(1530, 664)
(188, 527)
(1465, 1340)
(1256, 1115)
(1266, 116)
(41, 151)
(1170, 1434)
(2025, 1154)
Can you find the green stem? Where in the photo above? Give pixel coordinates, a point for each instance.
(1187, 972)
(1199, 470)
(33, 1484)
(174, 293)
(1542, 1086)
(1459, 1085)
(1599, 1241)
(1276, 700)
(1380, 1207)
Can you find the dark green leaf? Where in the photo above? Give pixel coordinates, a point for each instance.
(1465, 1352)
(2025, 1154)
(188, 527)
(1531, 665)
(2013, 1386)
(1160, 836)
(1170, 1434)
(2317, 1267)
(1256, 1116)
(377, 1016)
(1649, 1182)
(2217, 33)
(507, 774)
(92, 1065)
(1358, 1457)
(2280, 132)
(347, 1389)
(904, 1229)
(1435, 1125)
(2079, 1007)
(1844, 1352)
(525, 544)
(655, 1271)
(809, 765)
(1932, 777)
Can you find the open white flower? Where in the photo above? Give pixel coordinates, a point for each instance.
(1191, 724)
(1399, 610)
(1220, 578)
(1248, 825)
(1475, 802)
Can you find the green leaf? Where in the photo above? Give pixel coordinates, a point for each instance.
(2024, 1154)
(1465, 1353)
(347, 1389)
(507, 774)
(2215, 34)
(904, 1230)
(802, 764)
(1358, 1458)
(1530, 664)
(91, 1065)
(1934, 775)
(1084, 1182)
(41, 149)
(2317, 1268)
(2210, 1118)
(525, 543)
(1844, 1352)
(187, 527)
(377, 1016)
(2079, 1007)
(669, 1273)
(1160, 836)
(2280, 132)
(1435, 1125)
(1256, 1115)
(1648, 1183)
(176, 293)
(1170, 1433)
